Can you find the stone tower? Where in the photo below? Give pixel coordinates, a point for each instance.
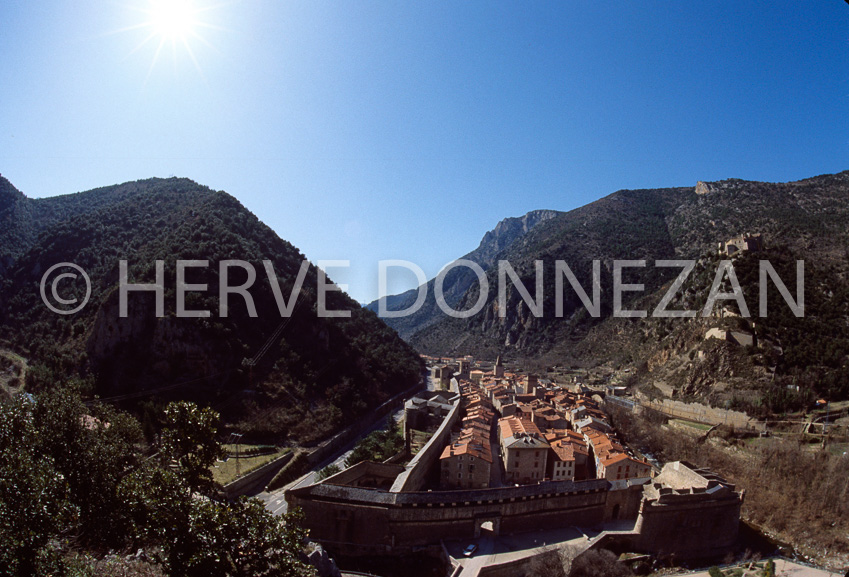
(499, 367)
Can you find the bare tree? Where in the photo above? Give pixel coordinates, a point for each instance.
(602, 563)
(552, 562)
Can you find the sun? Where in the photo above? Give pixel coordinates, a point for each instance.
(173, 19)
(172, 25)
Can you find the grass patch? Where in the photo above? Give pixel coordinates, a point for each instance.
(699, 426)
(249, 450)
(755, 442)
(418, 439)
(226, 471)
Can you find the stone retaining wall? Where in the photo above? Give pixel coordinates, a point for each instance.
(259, 477)
(702, 413)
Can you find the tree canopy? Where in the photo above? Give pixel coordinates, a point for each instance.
(77, 478)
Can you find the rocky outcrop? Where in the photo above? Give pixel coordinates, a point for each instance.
(505, 234)
(705, 187)
(457, 282)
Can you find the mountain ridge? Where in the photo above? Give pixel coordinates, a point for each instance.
(801, 220)
(458, 280)
(328, 370)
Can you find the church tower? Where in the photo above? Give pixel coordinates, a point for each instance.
(499, 368)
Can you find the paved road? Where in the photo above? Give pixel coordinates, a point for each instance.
(505, 548)
(482, 557)
(275, 502)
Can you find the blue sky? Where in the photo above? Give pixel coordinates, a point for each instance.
(405, 130)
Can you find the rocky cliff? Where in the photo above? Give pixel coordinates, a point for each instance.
(806, 220)
(505, 234)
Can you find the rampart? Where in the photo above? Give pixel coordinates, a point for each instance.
(416, 471)
(258, 478)
(688, 512)
(702, 413)
(355, 520)
(694, 515)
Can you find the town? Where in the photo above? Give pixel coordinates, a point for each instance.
(504, 461)
(544, 433)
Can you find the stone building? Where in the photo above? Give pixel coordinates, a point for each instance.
(466, 465)
(622, 466)
(577, 452)
(523, 449)
(562, 461)
(498, 370)
(442, 375)
(427, 409)
(742, 244)
(384, 509)
(741, 338)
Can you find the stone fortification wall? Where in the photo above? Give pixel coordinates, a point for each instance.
(624, 502)
(680, 475)
(702, 413)
(258, 478)
(690, 512)
(521, 566)
(689, 527)
(415, 476)
(353, 476)
(355, 520)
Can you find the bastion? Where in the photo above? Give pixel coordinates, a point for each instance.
(684, 511)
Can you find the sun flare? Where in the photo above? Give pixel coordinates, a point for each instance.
(173, 19)
(173, 26)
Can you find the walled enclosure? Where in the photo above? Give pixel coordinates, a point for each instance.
(687, 512)
(355, 520)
